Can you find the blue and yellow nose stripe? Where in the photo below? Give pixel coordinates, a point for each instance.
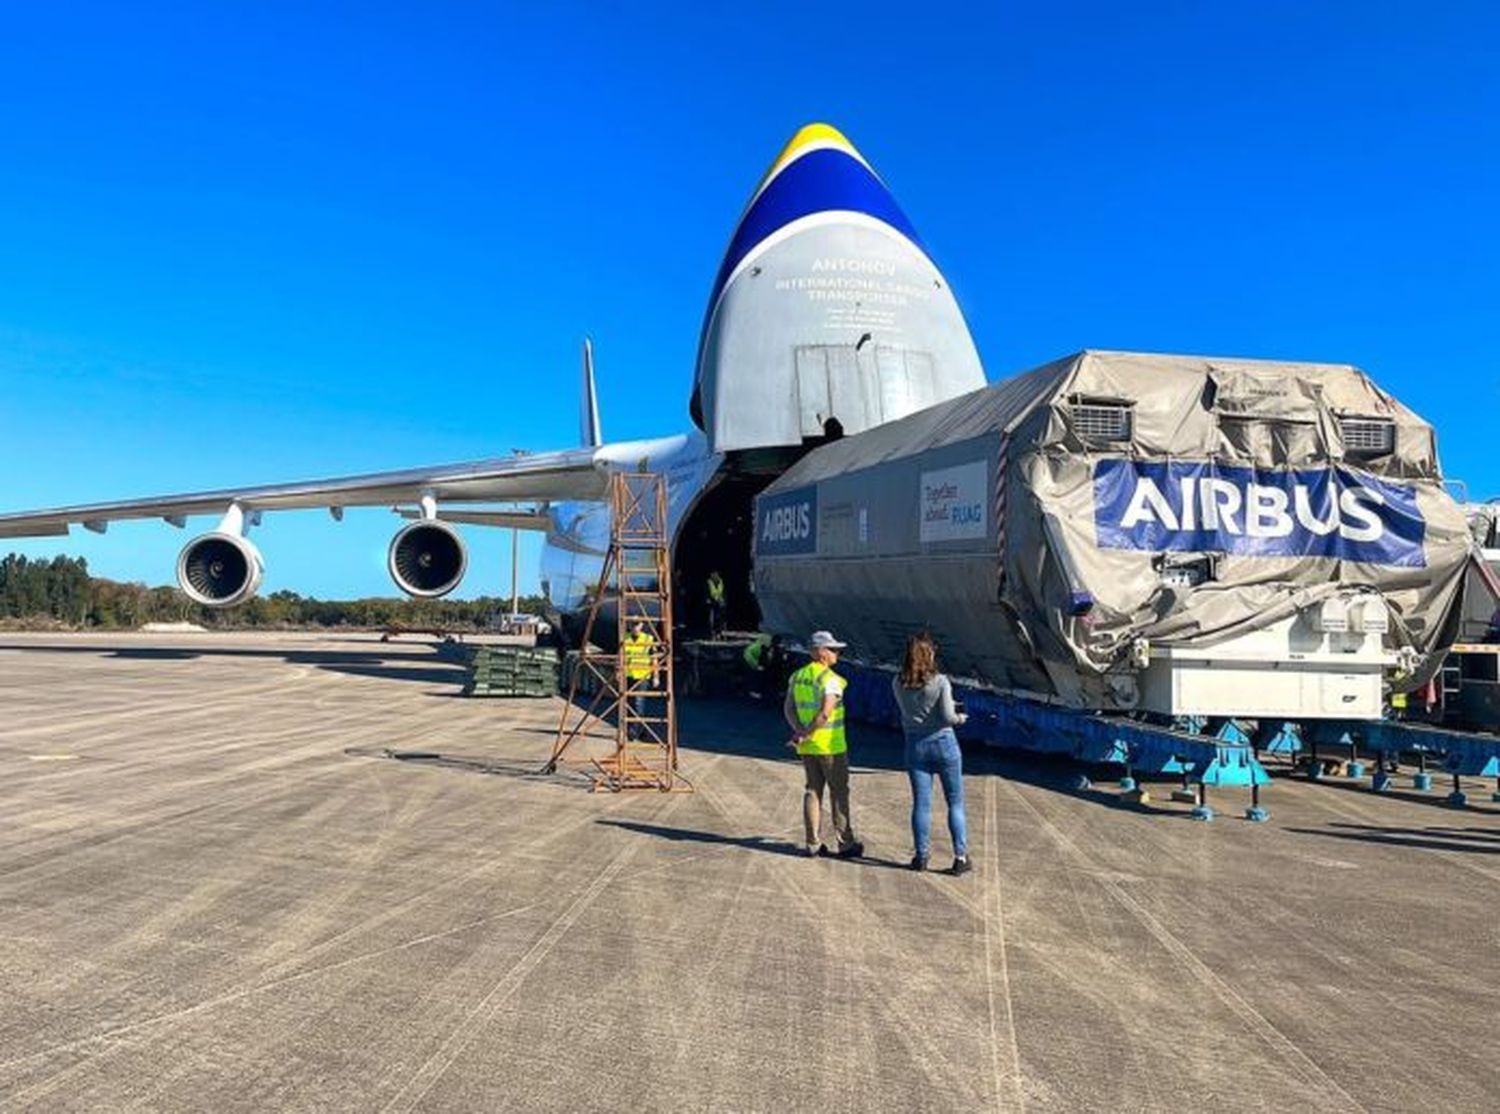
(818, 171)
(809, 138)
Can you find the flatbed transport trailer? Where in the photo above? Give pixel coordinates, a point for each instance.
(1205, 753)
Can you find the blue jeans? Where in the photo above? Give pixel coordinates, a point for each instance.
(938, 754)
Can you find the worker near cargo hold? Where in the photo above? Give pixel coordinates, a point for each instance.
(761, 655)
(928, 717)
(815, 710)
(640, 666)
(715, 595)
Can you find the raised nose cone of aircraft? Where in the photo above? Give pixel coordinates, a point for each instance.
(827, 312)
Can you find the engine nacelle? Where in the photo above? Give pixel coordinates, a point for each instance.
(219, 569)
(427, 558)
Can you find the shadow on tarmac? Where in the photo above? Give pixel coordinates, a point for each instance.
(1437, 797)
(432, 664)
(490, 767)
(688, 835)
(783, 847)
(1471, 841)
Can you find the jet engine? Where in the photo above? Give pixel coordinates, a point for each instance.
(220, 569)
(427, 558)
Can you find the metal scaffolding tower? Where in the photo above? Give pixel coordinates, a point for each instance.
(637, 714)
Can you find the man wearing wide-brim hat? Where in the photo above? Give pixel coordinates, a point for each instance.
(815, 710)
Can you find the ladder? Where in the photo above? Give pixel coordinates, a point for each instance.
(636, 716)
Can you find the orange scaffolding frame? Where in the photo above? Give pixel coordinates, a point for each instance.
(638, 715)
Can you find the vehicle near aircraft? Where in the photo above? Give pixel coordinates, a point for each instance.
(826, 317)
(1185, 536)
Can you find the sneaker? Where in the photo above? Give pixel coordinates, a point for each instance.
(853, 851)
(822, 852)
(961, 866)
(918, 862)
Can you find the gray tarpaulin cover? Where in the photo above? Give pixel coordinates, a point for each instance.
(1042, 524)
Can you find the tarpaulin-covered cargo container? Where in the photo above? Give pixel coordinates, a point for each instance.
(1186, 535)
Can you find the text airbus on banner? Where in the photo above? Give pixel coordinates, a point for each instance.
(952, 503)
(1202, 507)
(787, 523)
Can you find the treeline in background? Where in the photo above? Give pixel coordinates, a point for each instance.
(60, 593)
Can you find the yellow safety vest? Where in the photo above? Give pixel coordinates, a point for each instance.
(807, 694)
(756, 651)
(638, 656)
(715, 589)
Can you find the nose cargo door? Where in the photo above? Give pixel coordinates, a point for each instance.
(861, 385)
(814, 394)
(825, 306)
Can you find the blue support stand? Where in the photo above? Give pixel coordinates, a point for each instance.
(1421, 781)
(1279, 737)
(1381, 781)
(1127, 784)
(1082, 784)
(1457, 798)
(1354, 770)
(1255, 812)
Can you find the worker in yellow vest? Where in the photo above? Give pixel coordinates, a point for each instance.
(763, 657)
(815, 710)
(715, 590)
(640, 666)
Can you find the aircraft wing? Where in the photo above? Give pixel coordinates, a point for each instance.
(569, 474)
(510, 520)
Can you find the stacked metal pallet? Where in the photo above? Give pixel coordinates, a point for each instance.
(512, 671)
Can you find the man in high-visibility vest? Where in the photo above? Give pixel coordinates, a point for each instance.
(815, 710)
(763, 659)
(640, 664)
(715, 590)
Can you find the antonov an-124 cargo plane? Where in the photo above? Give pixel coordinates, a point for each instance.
(827, 316)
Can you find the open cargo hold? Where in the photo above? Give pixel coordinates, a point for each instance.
(1182, 535)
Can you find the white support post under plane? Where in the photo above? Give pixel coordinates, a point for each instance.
(233, 522)
(515, 558)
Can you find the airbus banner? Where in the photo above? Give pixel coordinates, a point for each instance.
(1202, 507)
(787, 523)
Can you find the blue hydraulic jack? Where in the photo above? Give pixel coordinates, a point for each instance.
(1234, 763)
(1421, 780)
(1458, 798)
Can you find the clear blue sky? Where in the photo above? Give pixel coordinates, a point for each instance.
(253, 242)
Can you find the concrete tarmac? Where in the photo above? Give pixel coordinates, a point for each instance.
(217, 893)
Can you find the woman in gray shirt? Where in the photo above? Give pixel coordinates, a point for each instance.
(928, 717)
